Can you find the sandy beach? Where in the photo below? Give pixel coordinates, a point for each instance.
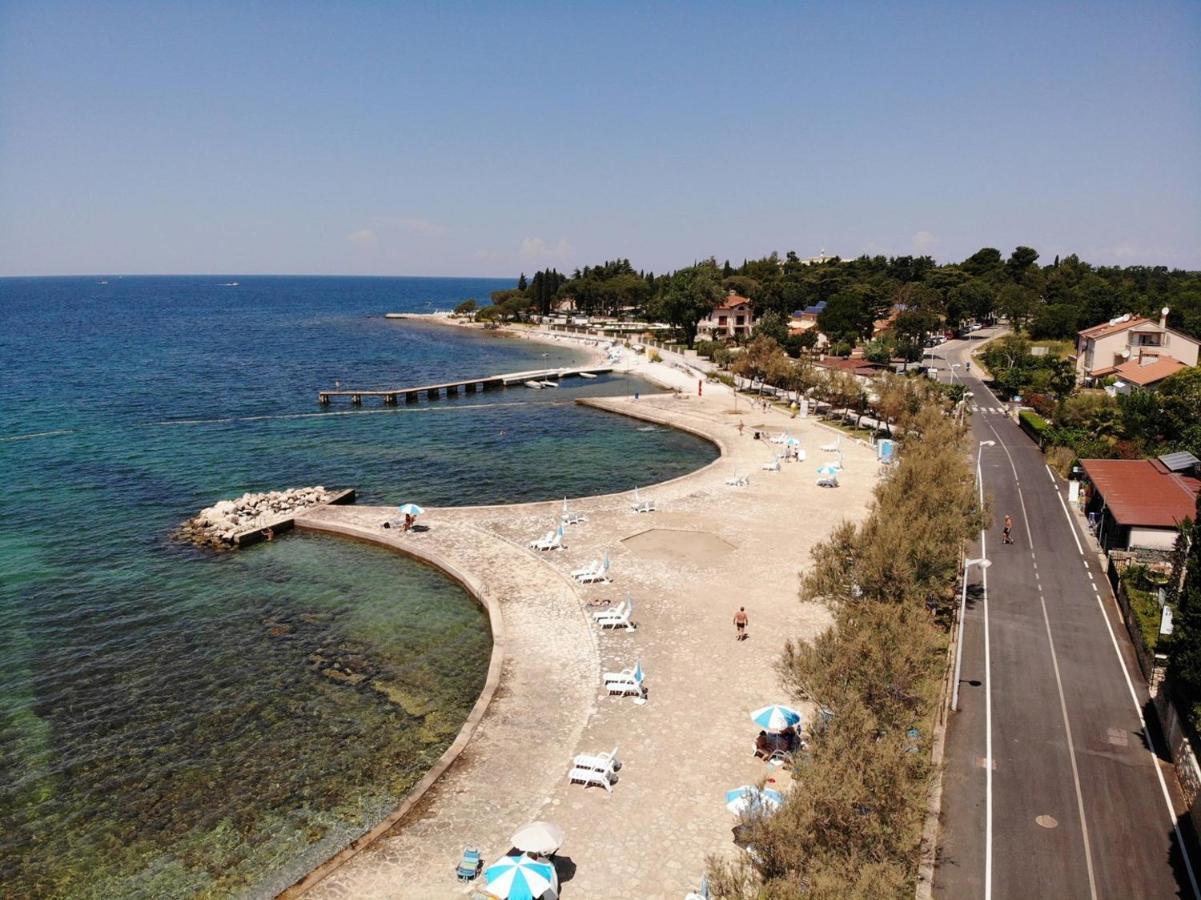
(708, 549)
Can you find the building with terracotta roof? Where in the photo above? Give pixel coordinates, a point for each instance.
(1140, 502)
(1100, 350)
(734, 318)
(1145, 374)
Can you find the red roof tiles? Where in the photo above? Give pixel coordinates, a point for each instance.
(1143, 492)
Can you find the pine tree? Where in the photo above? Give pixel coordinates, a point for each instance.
(522, 284)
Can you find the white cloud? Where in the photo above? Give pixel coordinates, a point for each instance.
(537, 249)
(923, 242)
(364, 237)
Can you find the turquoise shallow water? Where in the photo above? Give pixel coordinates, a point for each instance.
(178, 723)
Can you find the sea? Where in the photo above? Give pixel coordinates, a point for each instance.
(176, 722)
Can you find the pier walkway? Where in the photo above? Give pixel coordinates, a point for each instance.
(466, 385)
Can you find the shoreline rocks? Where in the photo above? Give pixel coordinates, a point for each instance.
(218, 526)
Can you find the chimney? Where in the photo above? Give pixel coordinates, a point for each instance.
(1163, 317)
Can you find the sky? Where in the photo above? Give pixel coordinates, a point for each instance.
(493, 138)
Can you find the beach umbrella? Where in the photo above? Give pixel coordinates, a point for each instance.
(792, 442)
(540, 838)
(776, 717)
(748, 798)
(411, 509)
(520, 878)
(828, 469)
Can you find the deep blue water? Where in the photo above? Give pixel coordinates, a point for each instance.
(180, 723)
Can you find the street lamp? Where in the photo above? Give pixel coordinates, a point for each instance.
(953, 367)
(967, 564)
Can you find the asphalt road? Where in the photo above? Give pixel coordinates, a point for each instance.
(1052, 786)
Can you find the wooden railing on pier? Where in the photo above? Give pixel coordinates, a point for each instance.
(391, 396)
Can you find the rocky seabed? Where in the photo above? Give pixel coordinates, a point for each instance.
(218, 525)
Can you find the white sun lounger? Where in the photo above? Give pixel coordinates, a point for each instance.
(833, 447)
(537, 543)
(623, 675)
(591, 569)
(739, 481)
(612, 611)
(640, 505)
(607, 763)
(601, 573)
(555, 542)
(773, 466)
(591, 776)
(626, 682)
(622, 620)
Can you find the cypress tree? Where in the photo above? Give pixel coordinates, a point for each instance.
(522, 284)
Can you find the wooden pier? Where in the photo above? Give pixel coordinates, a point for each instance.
(391, 396)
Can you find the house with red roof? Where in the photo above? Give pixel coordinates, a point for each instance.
(1102, 349)
(733, 318)
(1140, 503)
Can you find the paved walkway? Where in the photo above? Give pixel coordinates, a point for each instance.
(708, 549)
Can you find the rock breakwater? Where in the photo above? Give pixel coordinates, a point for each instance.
(220, 525)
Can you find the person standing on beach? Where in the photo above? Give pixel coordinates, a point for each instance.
(740, 623)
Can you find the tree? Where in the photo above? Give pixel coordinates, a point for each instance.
(774, 326)
(1184, 664)
(1019, 263)
(1017, 303)
(691, 294)
(1180, 400)
(984, 262)
(522, 284)
(466, 308)
(846, 317)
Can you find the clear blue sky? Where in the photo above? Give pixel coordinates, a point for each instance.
(464, 139)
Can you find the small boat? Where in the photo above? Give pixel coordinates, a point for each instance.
(536, 385)
(586, 375)
(550, 384)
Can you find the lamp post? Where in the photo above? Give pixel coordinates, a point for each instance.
(983, 563)
(953, 367)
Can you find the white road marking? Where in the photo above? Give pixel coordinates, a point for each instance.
(1163, 785)
(1051, 475)
(992, 763)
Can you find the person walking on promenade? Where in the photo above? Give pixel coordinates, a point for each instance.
(1007, 531)
(740, 622)
(740, 427)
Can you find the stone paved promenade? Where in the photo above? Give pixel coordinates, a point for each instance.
(708, 549)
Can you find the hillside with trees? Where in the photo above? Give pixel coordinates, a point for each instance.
(1048, 301)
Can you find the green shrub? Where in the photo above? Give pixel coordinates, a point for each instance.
(1033, 422)
(1144, 604)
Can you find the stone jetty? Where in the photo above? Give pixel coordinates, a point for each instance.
(228, 524)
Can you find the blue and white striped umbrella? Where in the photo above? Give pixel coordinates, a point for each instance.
(748, 798)
(411, 509)
(520, 878)
(776, 717)
(828, 469)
